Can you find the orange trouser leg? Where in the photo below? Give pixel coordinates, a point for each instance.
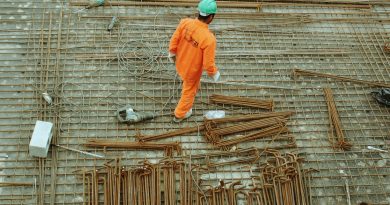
(188, 92)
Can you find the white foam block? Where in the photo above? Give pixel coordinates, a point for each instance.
(41, 138)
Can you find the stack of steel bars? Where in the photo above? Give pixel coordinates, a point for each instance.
(282, 181)
(267, 125)
(148, 184)
(222, 195)
(276, 180)
(242, 101)
(279, 180)
(337, 141)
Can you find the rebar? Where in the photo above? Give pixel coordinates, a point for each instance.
(297, 72)
(46, 59)
(335, 123)
(182, 131)
(168, 147)
(271, 131)
(248, 117)
(11, 184)
(141, 185)
(242, 101)
(266, 126)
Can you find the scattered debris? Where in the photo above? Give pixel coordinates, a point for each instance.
(3, 155)
(94, 3)
(214, 114)
(114, 21)
(47, 98)
(376, 149)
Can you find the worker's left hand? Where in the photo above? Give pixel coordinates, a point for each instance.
(172, 57)
(216, 76)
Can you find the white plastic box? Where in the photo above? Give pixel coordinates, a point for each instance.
(41, 138)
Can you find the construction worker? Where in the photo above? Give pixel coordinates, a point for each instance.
(192, 48)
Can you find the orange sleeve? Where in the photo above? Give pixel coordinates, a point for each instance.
(175, 38)
(209, 57)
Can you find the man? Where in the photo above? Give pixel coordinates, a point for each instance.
(192, 48)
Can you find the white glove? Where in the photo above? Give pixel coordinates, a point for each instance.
(216, 76)
(172, 57)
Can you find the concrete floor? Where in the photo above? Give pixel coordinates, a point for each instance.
(51, 46)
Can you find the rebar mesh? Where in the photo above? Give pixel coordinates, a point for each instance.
(57, 48)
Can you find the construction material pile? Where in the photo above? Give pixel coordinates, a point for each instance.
(242, 101)
(338, 140)
(280, 181)
(263, 125)
(147, 184)
(277, 179)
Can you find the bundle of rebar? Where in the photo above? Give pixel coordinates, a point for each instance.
(248, 117)
(266, 132)
(269, 126)
(237, 118)
(282, 182)
(147, 184)
(248, 156)
(168, 147)
(182, 131)
(224, 194)
(242, 101)
(337, 141)
(247, 126)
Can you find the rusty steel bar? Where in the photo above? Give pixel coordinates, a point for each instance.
(297, 72)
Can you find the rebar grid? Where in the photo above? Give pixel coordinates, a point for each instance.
(47, 47)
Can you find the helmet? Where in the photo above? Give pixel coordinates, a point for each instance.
(207, 7)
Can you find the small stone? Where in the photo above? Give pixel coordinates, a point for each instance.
(362, 164)
(381, 163)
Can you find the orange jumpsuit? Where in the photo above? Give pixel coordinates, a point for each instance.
(194, 46)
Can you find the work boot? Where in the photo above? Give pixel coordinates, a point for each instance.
(188, 114)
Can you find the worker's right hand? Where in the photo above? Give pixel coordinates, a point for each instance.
(172, 57)
(216, 76)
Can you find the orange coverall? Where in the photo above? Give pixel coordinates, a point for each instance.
(194, 46)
